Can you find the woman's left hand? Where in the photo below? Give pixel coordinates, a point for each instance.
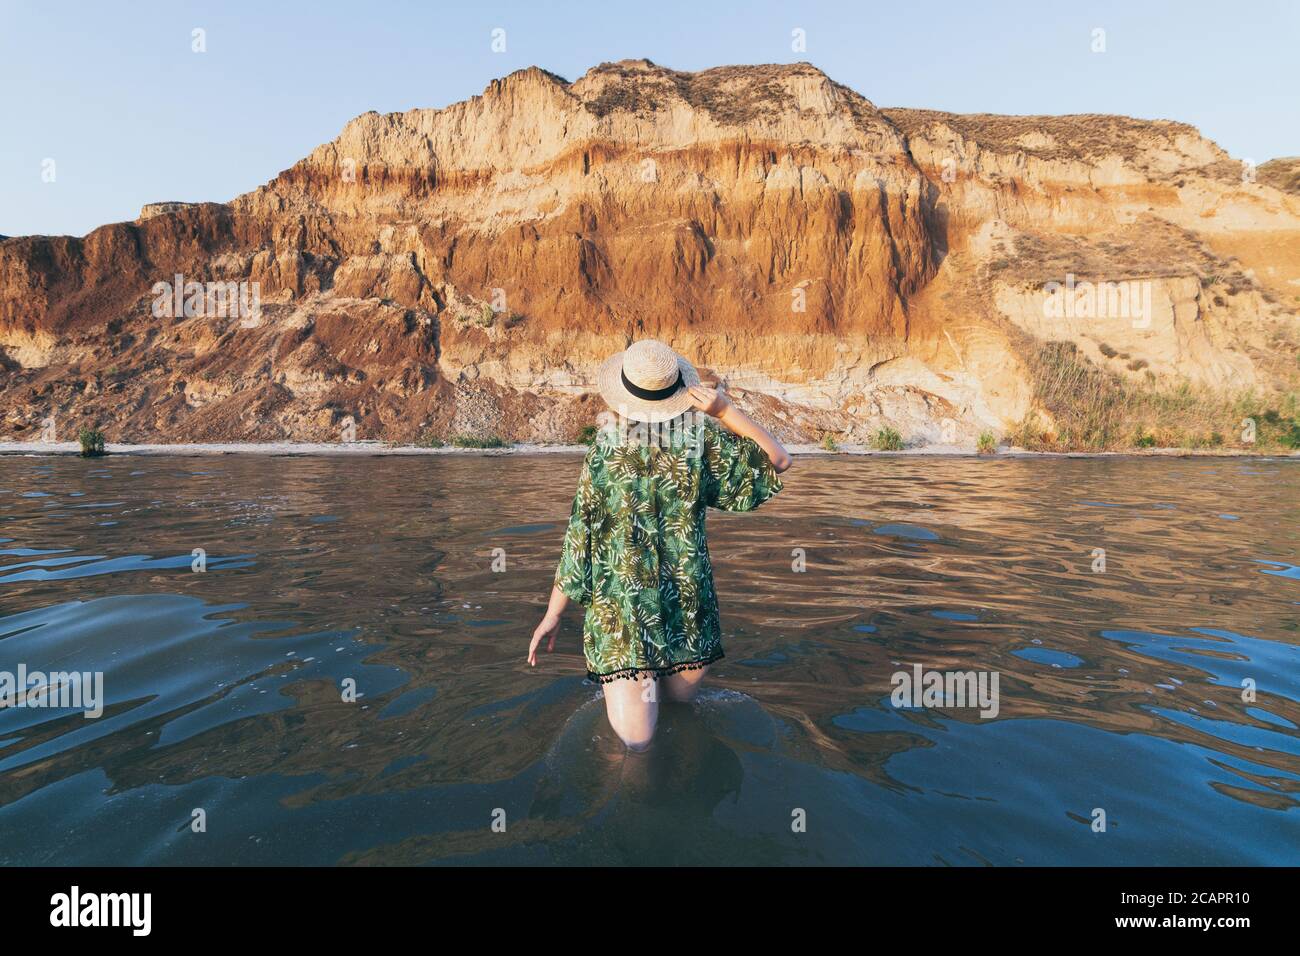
(549, 627)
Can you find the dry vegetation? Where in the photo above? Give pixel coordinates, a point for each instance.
(1149, 248)
(1069, 138)
(731, 95)
(1283, 174)
(1095, 410)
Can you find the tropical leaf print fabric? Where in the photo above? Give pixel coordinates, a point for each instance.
(635, 553)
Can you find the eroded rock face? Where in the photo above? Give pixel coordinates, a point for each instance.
(466, 269)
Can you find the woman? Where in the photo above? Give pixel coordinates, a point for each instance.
(635, 553)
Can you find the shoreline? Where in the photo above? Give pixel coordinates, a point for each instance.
(375, 448)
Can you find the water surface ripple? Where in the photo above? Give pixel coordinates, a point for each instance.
(1120, 690)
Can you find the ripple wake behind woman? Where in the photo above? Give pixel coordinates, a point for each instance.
(635, 554)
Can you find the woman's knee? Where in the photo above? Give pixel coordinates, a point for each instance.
(637, 735)
(684, 685)
(633, 710)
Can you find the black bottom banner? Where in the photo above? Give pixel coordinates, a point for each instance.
(342, 905)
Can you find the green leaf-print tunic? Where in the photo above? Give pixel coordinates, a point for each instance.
(635, 553)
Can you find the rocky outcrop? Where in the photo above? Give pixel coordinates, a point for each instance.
(160, 208)
(839, 266)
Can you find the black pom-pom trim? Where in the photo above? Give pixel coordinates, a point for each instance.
(632, 673)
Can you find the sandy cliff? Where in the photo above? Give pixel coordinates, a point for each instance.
(841, 267)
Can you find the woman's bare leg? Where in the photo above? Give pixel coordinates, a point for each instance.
(684, 685)
(633, 709)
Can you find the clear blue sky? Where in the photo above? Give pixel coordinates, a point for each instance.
(113, 94)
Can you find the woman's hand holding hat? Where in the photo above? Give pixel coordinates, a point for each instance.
(711, 401)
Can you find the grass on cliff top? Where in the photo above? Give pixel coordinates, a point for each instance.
(731, 95)
(1077, 136)
(1096, 410)
(1283, 174)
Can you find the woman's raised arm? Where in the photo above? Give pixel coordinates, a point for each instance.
(714, 401)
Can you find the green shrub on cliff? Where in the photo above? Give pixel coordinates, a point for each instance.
(888, 439)
(92, 442)
(478, 441)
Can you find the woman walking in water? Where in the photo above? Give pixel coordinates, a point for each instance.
(635, 554)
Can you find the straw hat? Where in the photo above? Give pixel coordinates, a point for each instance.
(647, 383)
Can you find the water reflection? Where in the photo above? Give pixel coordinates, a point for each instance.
(1120, 689)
